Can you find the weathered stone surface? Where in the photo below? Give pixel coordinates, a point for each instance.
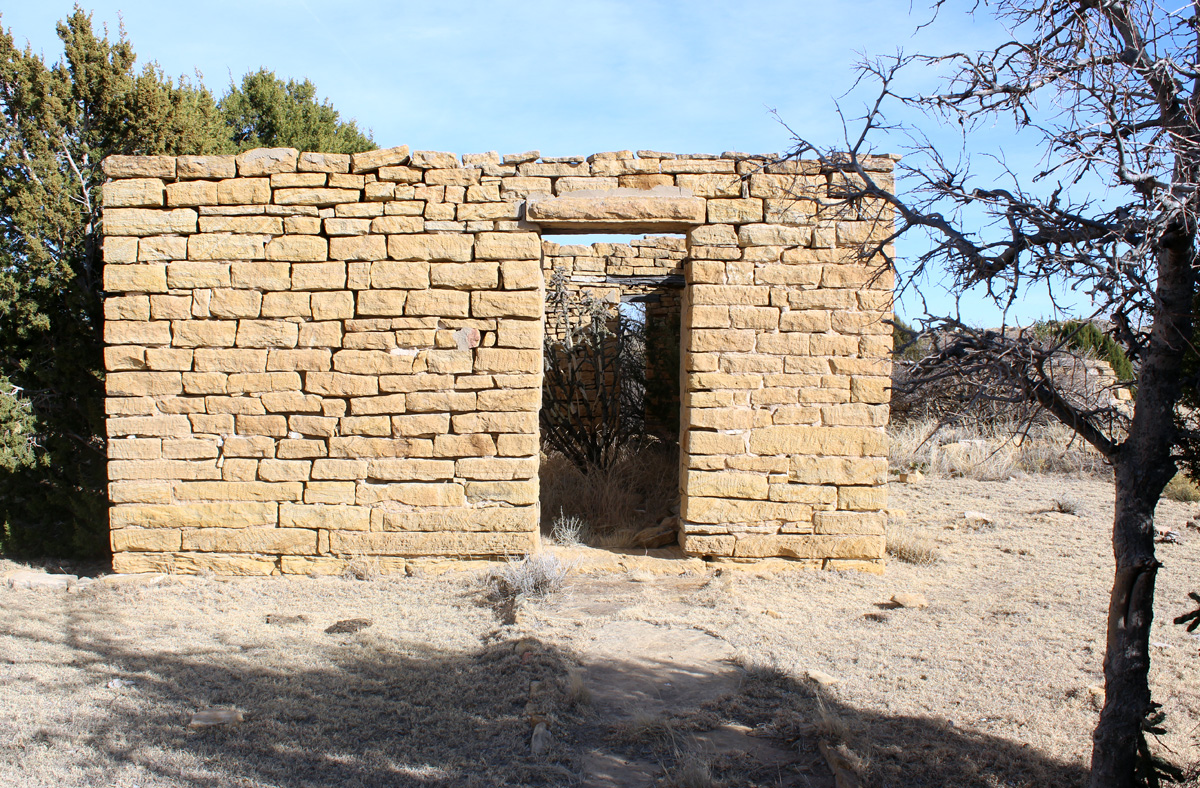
(508, 246)
(455, 248)
(323, 162)
(414, 543)
(266, 161)
(317, 197)
(194, 515)
(192, 193)
(133, 193)
(139, 166)
(206, 166)
(144, 221)
(657, 209)
(301, 248)
(373, 160)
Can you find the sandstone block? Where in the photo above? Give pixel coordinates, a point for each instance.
(773, 235)
(519, 334)
(194, 515)
(417, 543)
(711, 184)
(384, 303)
(145, 539)
(204, 333)
(726, 485)
(496, 519)
(421, 425)
(452, 248)
(323, 162)
(437, 303)
(271, 541)
(432, 159)
(129, 332)
(850, 522)
(505, 360)
(317, 197)
(364, 247)
(819, 441)
(329, 492)
(118, 249)
(244, 191)
(337, 384)
(319, 276)
(727, 510)
(149, 278)
(373, 160)
(496, 468)
(465, 276)
(205, 167)
(301, 248)
(192, 193)
(403, 276)
(230, 360)
(266, 492)
(266, 161)
(142, 384)
(839, 470)
(411, 494)
(476, 445)
(665, 210)
(739, 211)
(133, 193)
(508, 246)
(139, 492)
(162, 247)
(352, 518)
(524, 303)
(861, 499)
(235, 303)
(148, 221)
(139, 166)
(226, 247)
(409, 470)
(349, 470)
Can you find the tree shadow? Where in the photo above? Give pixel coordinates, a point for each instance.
(364, 710)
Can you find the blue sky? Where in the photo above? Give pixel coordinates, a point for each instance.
(565, 77)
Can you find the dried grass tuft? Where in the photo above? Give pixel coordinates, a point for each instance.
(693, 771)
(578, 693)
(1182, 488)
(911, 547)
(569, 531)
(990, 452)
(531, 577)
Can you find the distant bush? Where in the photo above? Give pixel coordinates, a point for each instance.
(1090, 341)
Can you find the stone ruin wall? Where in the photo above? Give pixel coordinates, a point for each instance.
(313, 358)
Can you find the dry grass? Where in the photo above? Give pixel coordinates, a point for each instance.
(1181, 488)
(910, 546)
(606, 508)
(438, 692)
(989, 452)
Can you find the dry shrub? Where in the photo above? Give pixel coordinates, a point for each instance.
(606, 507)
(531, 577)
(1182, 488)
(911, 547)
(988, 452)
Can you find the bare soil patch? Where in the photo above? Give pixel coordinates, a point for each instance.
(646, 671)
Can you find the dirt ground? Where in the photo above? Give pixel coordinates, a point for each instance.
(644, 671)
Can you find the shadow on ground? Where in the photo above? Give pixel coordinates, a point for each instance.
(376, 712)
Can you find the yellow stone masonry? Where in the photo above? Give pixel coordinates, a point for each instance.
(314, 358)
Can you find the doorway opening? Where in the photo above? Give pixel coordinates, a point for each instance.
(610, 398)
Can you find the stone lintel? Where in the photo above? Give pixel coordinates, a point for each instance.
(661, 209)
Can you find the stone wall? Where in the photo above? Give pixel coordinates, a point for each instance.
(313, 358)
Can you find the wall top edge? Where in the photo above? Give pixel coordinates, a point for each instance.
(269, 161)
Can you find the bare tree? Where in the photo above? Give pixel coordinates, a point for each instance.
(1111, 91)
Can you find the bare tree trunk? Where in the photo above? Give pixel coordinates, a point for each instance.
(1143, 467)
